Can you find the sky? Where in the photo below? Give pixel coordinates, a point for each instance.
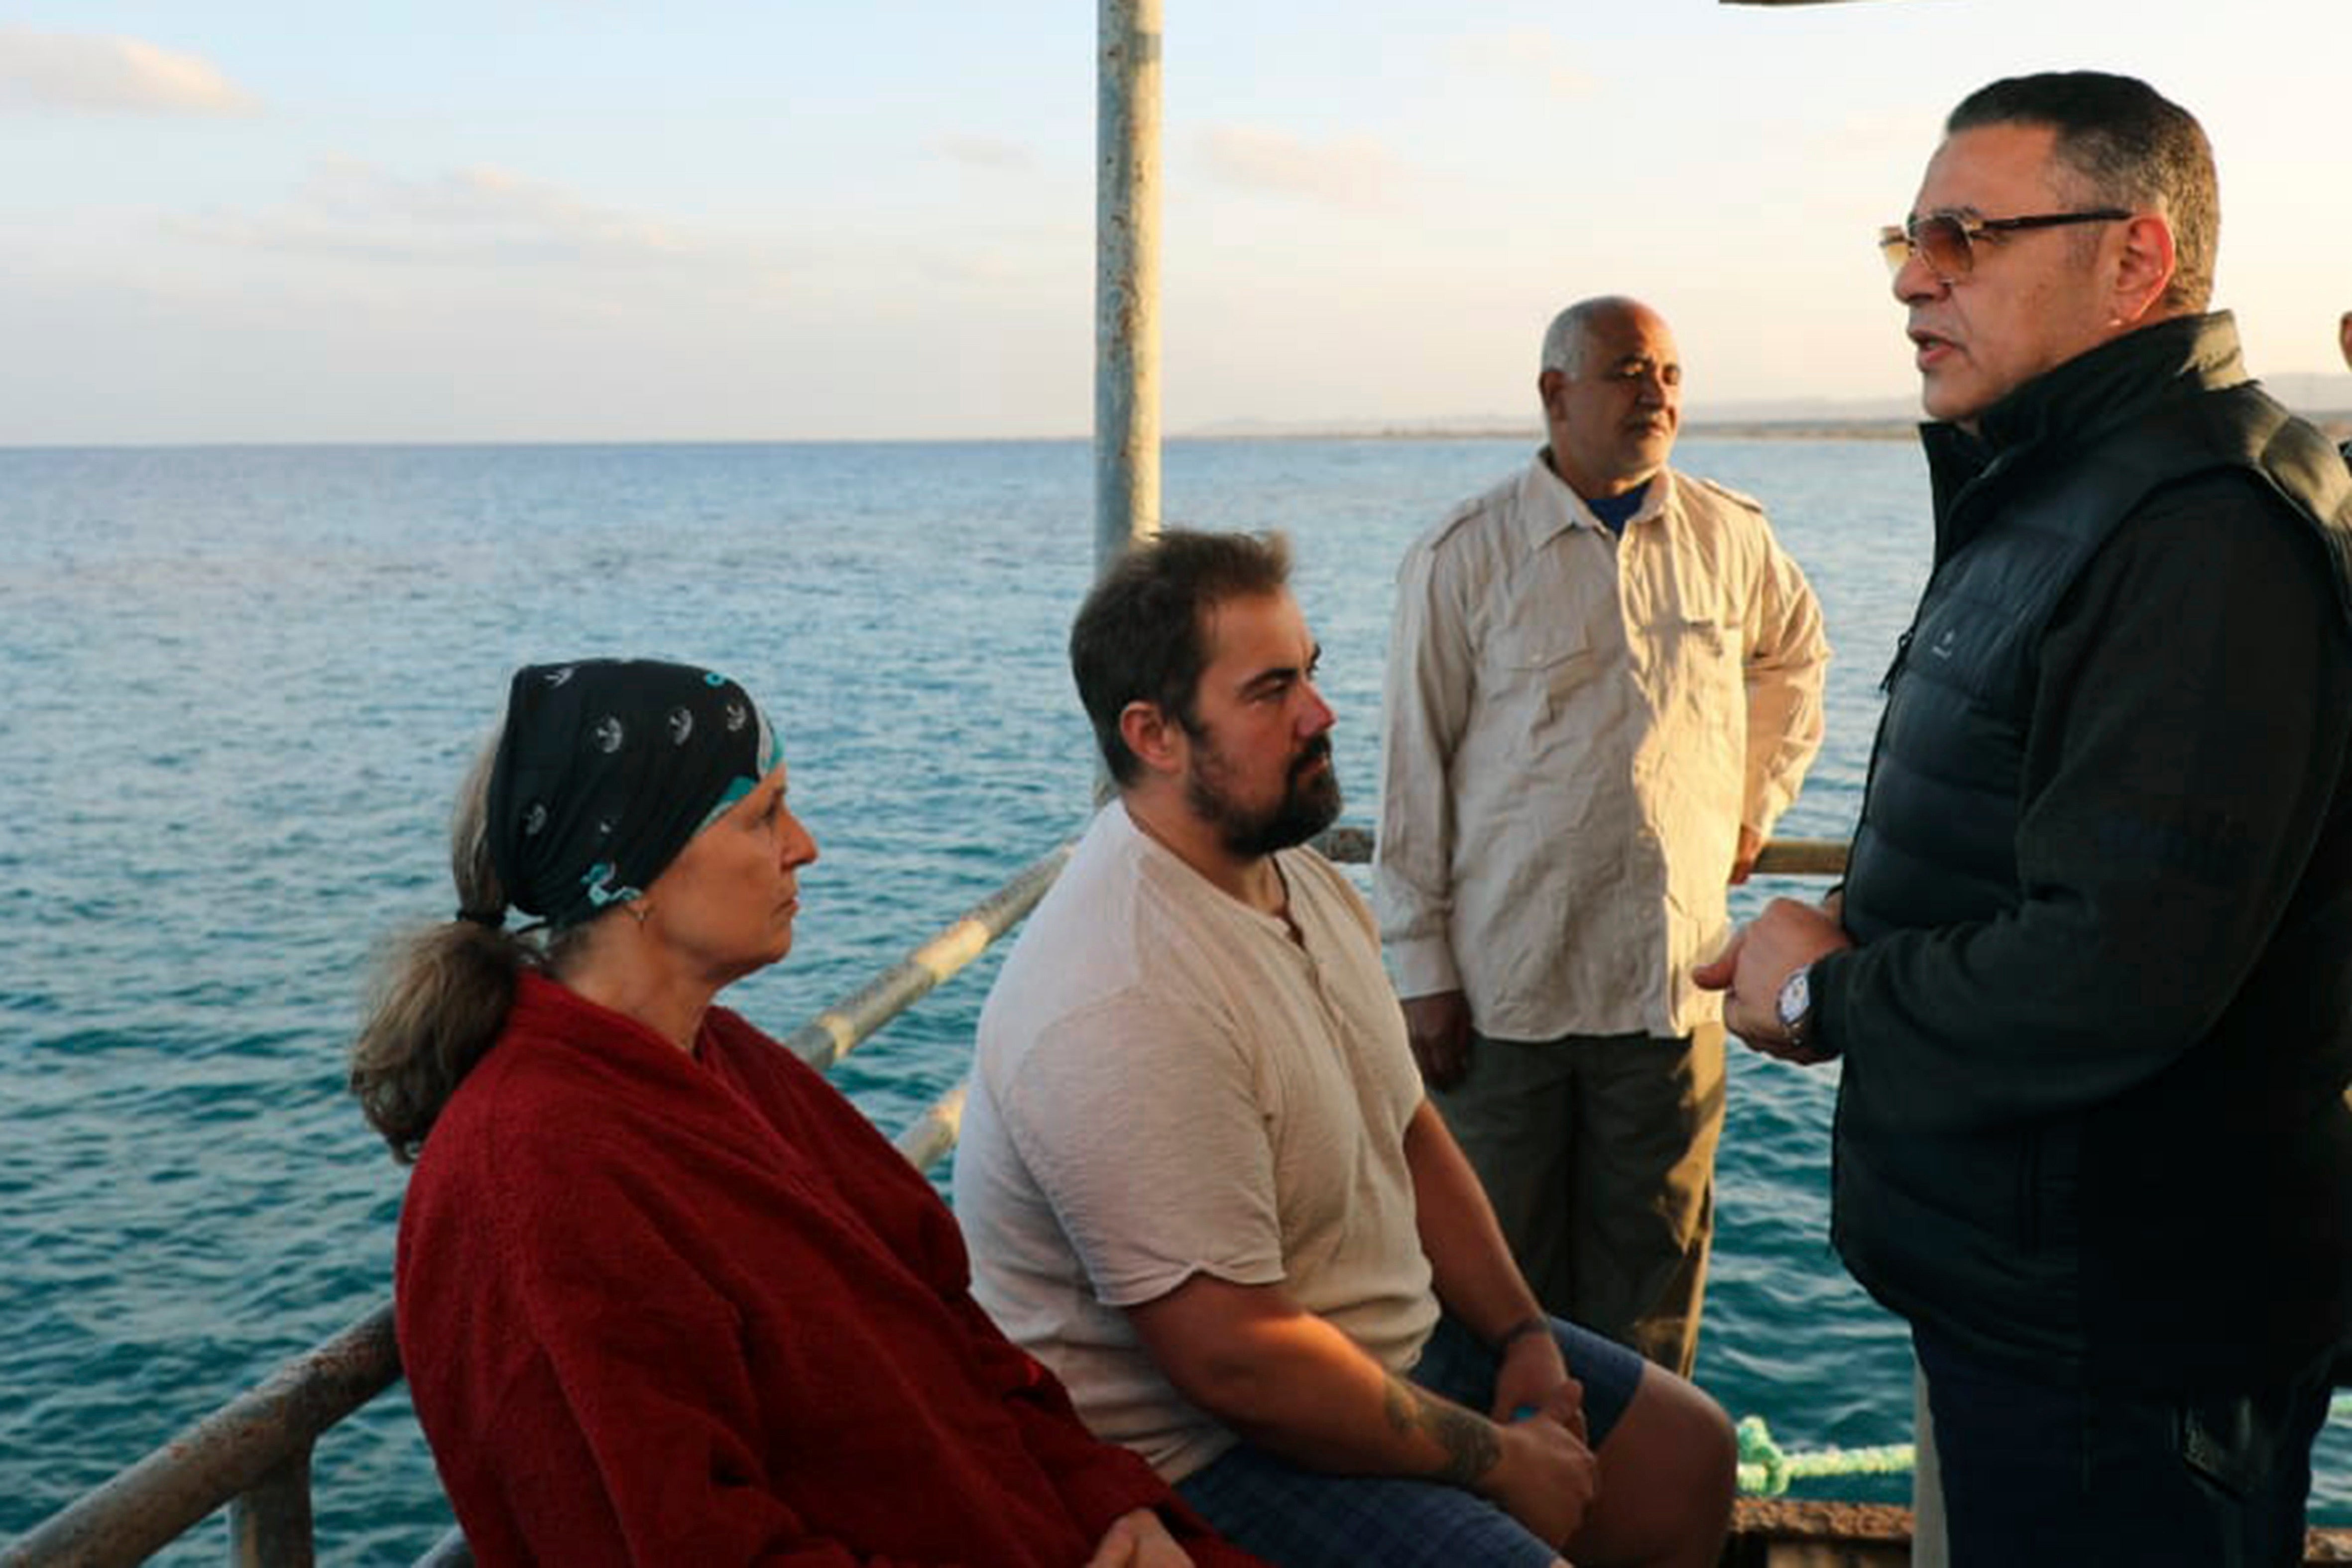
(587, 220)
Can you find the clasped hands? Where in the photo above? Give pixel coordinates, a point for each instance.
(1760, 958)
(1547, 1476)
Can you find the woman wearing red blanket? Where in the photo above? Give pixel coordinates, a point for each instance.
(663, 1296)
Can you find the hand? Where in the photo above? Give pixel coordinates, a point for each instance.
(1743, 859)
(1546, 1478)
(1750, 972)
(1531, 1378)
(1138, 1539)
(1438, 1025)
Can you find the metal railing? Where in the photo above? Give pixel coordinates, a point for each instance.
(253, 1455)
(833, 1033)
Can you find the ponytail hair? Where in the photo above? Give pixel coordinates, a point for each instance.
(440, 995)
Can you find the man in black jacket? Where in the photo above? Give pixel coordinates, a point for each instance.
(2090, 974)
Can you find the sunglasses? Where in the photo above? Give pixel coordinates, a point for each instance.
(1947, 242)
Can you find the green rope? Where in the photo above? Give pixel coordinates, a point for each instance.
(1766, 1468)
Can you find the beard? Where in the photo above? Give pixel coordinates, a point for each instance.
(1309, 803)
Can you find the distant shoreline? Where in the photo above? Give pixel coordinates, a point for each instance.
(1737, 429)
(2337, 424)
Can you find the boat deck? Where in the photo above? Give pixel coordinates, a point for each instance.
(1789, 1532)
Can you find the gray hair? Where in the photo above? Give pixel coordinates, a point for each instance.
(1564, 340)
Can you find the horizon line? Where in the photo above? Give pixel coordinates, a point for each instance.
(1815, 423)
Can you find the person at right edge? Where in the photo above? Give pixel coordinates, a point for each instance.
(2090, 974)
(2343, 342)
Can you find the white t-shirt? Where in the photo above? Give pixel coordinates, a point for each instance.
(1167, 1084)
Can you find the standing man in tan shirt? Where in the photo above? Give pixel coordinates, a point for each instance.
(1603, 685)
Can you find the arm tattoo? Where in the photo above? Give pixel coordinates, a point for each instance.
(1469, 1442)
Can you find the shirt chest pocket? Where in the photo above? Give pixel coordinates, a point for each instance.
(1705, 660)
(1707, 643)
(1544, 664)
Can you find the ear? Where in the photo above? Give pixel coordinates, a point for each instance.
(1548, 385)
(1155, 737)
(2145, 268)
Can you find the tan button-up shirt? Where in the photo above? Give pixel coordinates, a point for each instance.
(1576, 728)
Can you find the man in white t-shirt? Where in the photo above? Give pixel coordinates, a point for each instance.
(1202, 1181)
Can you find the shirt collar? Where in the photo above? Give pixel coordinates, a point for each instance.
(1548, 507)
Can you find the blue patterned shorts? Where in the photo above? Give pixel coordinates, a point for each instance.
(1302, 1519)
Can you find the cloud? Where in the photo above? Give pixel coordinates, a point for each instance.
(379, 238)
(1531, 57)
(983, 152)
(1352, 171)
(470, 215)
(99, 74)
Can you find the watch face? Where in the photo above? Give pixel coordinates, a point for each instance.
(1796, 999)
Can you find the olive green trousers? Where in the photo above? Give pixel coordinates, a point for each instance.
(1598, 1153)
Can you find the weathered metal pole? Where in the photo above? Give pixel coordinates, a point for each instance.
(269, 1522)
(1127, 278)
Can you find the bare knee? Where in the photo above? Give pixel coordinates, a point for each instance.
(1668, 1471)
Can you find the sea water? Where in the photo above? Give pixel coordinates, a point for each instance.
(237, 686)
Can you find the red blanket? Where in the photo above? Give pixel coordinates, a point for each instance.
(665, 1308)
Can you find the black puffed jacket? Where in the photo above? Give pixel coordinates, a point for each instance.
(2097, 1027)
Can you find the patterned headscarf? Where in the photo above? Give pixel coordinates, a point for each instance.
(604, 770)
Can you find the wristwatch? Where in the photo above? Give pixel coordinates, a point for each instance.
(1795, 1005)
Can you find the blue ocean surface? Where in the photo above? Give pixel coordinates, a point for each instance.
(240, 685)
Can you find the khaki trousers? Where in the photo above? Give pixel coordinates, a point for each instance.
(1598, 1153)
